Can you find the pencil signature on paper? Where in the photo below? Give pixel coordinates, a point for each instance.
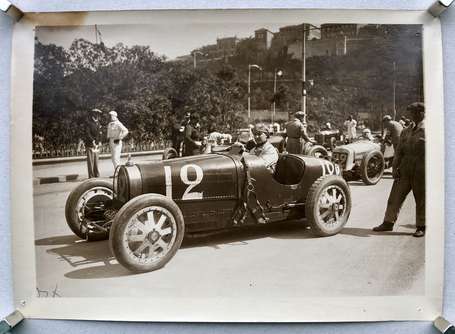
(45, 293)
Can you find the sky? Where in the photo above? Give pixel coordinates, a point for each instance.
(171, 40)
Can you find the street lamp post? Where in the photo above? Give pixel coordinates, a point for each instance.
(278, 73)
(304, 76)
(304, 85)
(194, 57)
(250, 66)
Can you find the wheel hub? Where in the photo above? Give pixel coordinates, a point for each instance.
(153, 236)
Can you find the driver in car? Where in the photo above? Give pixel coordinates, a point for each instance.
(263, 148)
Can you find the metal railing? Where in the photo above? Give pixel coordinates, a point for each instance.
(75, 150)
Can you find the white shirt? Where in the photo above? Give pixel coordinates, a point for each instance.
(351, 129)
(268, 153)
(116, 130)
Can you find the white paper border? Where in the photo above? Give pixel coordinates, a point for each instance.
(425, 307)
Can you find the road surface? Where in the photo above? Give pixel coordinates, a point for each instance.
(276, 260)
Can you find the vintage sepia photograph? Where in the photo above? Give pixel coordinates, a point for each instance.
(241, 161)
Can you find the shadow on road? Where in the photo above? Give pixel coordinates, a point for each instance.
(98, 262)
(97, 272)
(60, 240)
(368, 232)
(240, 235)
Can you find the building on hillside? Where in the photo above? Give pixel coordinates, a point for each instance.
(227, 46)
(184, 58)
(335, 31)
(335, 40)
(263, 38)
(224, 47)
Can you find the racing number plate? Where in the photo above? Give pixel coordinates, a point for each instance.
(340, 158)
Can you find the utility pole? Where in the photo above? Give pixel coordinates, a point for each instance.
(277, 73)
(394, 90)
(249, 88)
(304, 75)
(195, 53)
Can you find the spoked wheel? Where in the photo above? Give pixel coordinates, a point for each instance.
(147, 232)
(85, 209)
(328, 205)
(372, 167)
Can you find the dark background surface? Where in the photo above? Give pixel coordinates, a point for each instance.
(46, 326)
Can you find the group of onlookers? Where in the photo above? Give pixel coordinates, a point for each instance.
(93, 140)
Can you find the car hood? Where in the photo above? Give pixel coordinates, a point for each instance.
(359, 147)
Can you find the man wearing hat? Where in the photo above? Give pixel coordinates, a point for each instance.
(296, 134)
(408, 172)
(264, 149)
(191, 144)
(92, 141)
(116, 131)
(392, 130)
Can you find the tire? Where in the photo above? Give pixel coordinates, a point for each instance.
(134, 229)
(169, 153)
(318, 151)
(326, 191)
(92, 193)
(372, 167)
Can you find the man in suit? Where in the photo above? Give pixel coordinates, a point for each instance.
(92, 141)
(408, 172)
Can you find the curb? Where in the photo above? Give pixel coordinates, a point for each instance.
(57, 179)
(47, 161)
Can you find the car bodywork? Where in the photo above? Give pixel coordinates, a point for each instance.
(208, 187)
(356, 162)
(150, 206)
(328, 138)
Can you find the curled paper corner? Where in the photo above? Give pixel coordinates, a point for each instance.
(439, 6)
(9, 9)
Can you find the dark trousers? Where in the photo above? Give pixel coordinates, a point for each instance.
(92, 162)
(400, 190)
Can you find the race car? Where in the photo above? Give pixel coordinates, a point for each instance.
(328, 138)
(363, 159)
(148, 207)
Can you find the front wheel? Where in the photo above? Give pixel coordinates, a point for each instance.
(372, 167)
(85, 209)
(147, 232)
(328, 205)
(318, 151)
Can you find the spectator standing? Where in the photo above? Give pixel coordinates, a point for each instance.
(296, 134)
(92, 141)
(408, 173)
(351, 128)
(190, 144)
(392, 130)
(116, 131)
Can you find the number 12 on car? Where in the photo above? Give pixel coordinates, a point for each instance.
(187, 195)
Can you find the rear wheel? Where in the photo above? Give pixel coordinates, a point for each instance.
(147, 232)
(85, 207)
(328, 205)
(372, 167)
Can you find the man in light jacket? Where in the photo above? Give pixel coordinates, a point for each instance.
(116, 131)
